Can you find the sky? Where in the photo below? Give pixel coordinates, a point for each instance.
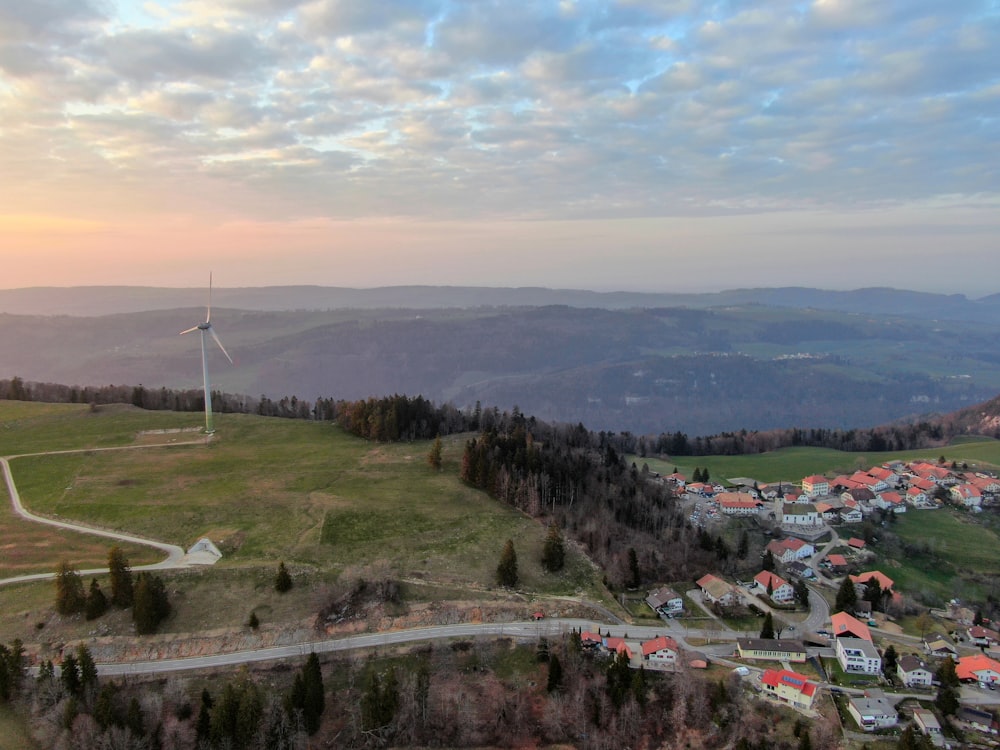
(648, 145)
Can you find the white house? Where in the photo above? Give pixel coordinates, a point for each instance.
(928, 724)
(858, 656)
(781, 590)
(872, 711)
(738, 504)
(717, 591)
(913, 672)
(815, 486)
(660, 651)
(800, 514)
(665, 601)
(967, 494)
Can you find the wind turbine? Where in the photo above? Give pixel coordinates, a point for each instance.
(206, 327)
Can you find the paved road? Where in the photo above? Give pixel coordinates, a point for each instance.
(174, 554)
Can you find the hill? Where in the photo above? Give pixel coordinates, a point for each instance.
(646, 370)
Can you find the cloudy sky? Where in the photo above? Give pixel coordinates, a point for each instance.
(640, 144)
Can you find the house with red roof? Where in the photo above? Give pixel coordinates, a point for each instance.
(661, 651)
(856, 543)
(781, 590)
(890, 500)
(865, 479)
(846, 626)
(918, 498)
(966, 495)
(979, 668)
(739, 504)
(983, 636)
(789, 687)
(862, 579)
(816, 486)
(888, 476)
(789, 550)
(838, 563)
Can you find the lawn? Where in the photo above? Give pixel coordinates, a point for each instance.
(791, 464)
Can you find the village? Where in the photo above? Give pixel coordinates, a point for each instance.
(878, 678)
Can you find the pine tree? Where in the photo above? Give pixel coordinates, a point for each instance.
(554, 551)
(434, 455)
(767, 630)
(555, 674)
(87, 670)
(314, 699)
(133, 718)
(70, 675)
(70, 598)
(889, 661)
(633, 569)
(122, 592)
(947, 694)
(151, 605)
(203, 726)
(847, 596)
(253, 622)
(283, 580)
(767, 562)
(97, 603)
(507, 568)
(743, 549)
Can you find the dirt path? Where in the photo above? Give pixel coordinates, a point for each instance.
(175, 556)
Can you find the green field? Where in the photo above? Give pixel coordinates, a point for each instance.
(791, 464)
(265, 488)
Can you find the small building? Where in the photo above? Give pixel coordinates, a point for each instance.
(845, 626)
(665, 601)
(928, 725)
(780, 589)
(771, 649)
(977, 719)
(798, 569)
(938, 645)
(856, 543)
(914, 672)
(661, 651)
(983, 636)
(838, 563)
(872, 711)
(789, 687)
(861, 580)
(717, 591)
(858, 656)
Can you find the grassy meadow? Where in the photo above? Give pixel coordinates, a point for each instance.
(263, 490)
(791, 464)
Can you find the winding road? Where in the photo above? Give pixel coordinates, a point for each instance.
(175, 556)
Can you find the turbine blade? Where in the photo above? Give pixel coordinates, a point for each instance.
(208, 315)
(189, 330)
(214, 336)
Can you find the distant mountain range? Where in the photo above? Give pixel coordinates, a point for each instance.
(109, 300)
(648, 363)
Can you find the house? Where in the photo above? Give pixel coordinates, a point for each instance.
(872, 710)
(815, 486)
(798, 569)
(914, 672)
(771, 649)
(788, 686)
(858, 656)
(800, 514)
(665, 601)
(861, 580)
(937, 645)
(891, 501)
(716, 591)
(838, 563)
(917, 497)
(845, 626)
(888, 476)
(979, 668)
(662, 651)
(966, 495)
(787, 550)
(738, 504)
(856, 543)
(928, 725)
(862, 610)
(983, 636)
(851, 514)
(977, 719)
(700, 488)
(774, 586)
(591, 640)
(829, 513)
(866, 480)
(618, 646)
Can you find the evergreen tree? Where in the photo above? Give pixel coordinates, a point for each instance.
(802, 593)
(507, 568)
(805, 742)
(619, 679)
(743, 548)
(203, 727)
(947, 695)
(97, 603)
(314, 699)
(978, 617)
(133, 718)
(767, 630)
(847, 596)
(434, 455)
(104, 707)
(889, 661)
(633, 569)
(554, 551)
(873, 593)
(87, 670)
(767, 561)
(253, 622)
(70, 675)
(151, 605)
(70, 598)
(121, 578)
(283, 580)
(555, 674)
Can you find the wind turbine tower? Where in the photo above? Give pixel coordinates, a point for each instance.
(206, 328)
